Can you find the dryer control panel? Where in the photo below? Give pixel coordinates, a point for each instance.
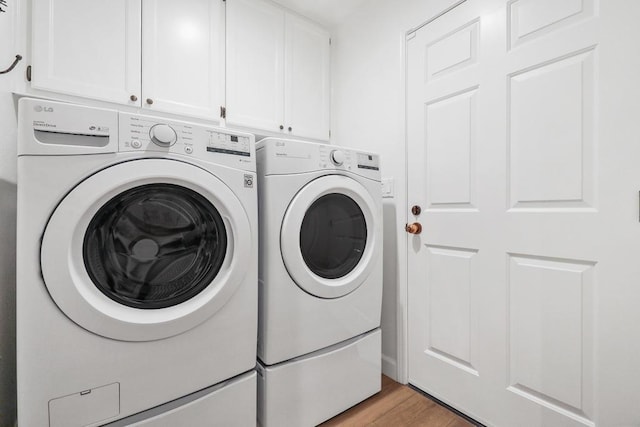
(279, 156)
(153, 134)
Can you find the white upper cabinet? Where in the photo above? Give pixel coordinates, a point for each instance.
(87, 48)
(158, 54)
(277, 70)
(255, 64)
(183, 56)
(306, 77)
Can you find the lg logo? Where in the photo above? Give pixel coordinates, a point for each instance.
(39, 109)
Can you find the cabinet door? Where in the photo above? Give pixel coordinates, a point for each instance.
(87, 48)
(255, 74)
(183, 54)
(306, 79)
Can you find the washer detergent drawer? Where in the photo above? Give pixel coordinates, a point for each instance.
(86, 407)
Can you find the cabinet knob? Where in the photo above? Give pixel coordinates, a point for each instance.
(290, 128)
(149, 101)
(133, 98)
(281, 127)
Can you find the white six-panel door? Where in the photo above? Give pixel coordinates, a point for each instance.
(523, 154)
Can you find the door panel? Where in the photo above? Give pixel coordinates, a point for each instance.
(183, 57)
(453, 51)
(552, 166)
(528, 19)
(255, 64)
(520, 155)
(306, 78)
(450, 151)
(450, 273)
(551, 339)
(89, 49)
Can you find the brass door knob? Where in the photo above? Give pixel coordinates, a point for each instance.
(413, 228)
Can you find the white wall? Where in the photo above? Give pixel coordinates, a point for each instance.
(368, 112)
(8, 131)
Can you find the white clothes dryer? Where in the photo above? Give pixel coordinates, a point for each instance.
(320, 275)
(136, 266)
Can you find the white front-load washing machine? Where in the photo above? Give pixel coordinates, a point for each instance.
(136, 270)
(320, 275)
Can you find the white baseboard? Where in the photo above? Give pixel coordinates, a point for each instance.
(389, 367)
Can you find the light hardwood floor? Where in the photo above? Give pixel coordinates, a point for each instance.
(398, 405)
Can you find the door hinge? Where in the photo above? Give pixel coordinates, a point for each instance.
(223, 112)
(329, 133)
(329, 41)
(28, 73)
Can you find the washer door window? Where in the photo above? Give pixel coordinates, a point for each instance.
(146, 249)
(154, 246)
(327, 236)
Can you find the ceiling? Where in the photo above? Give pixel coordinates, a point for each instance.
(325, 12)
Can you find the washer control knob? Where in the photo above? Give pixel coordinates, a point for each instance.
(337, 157)
(163, 135)
(136, 144)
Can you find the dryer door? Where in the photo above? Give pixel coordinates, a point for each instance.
(327, 236)
(145, 249)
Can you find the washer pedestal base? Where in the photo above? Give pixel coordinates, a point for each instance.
(231, 403)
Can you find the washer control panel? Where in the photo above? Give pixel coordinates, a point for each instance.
(158, 135)
(227, 143)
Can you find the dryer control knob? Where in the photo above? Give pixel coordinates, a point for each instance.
(337, 157)
(163, 135)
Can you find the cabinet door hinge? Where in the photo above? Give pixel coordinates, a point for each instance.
(29, 73)
(329, 133)
(329, 41)
(223, 112)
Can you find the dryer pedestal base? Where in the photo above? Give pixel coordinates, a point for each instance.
(308, 390)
